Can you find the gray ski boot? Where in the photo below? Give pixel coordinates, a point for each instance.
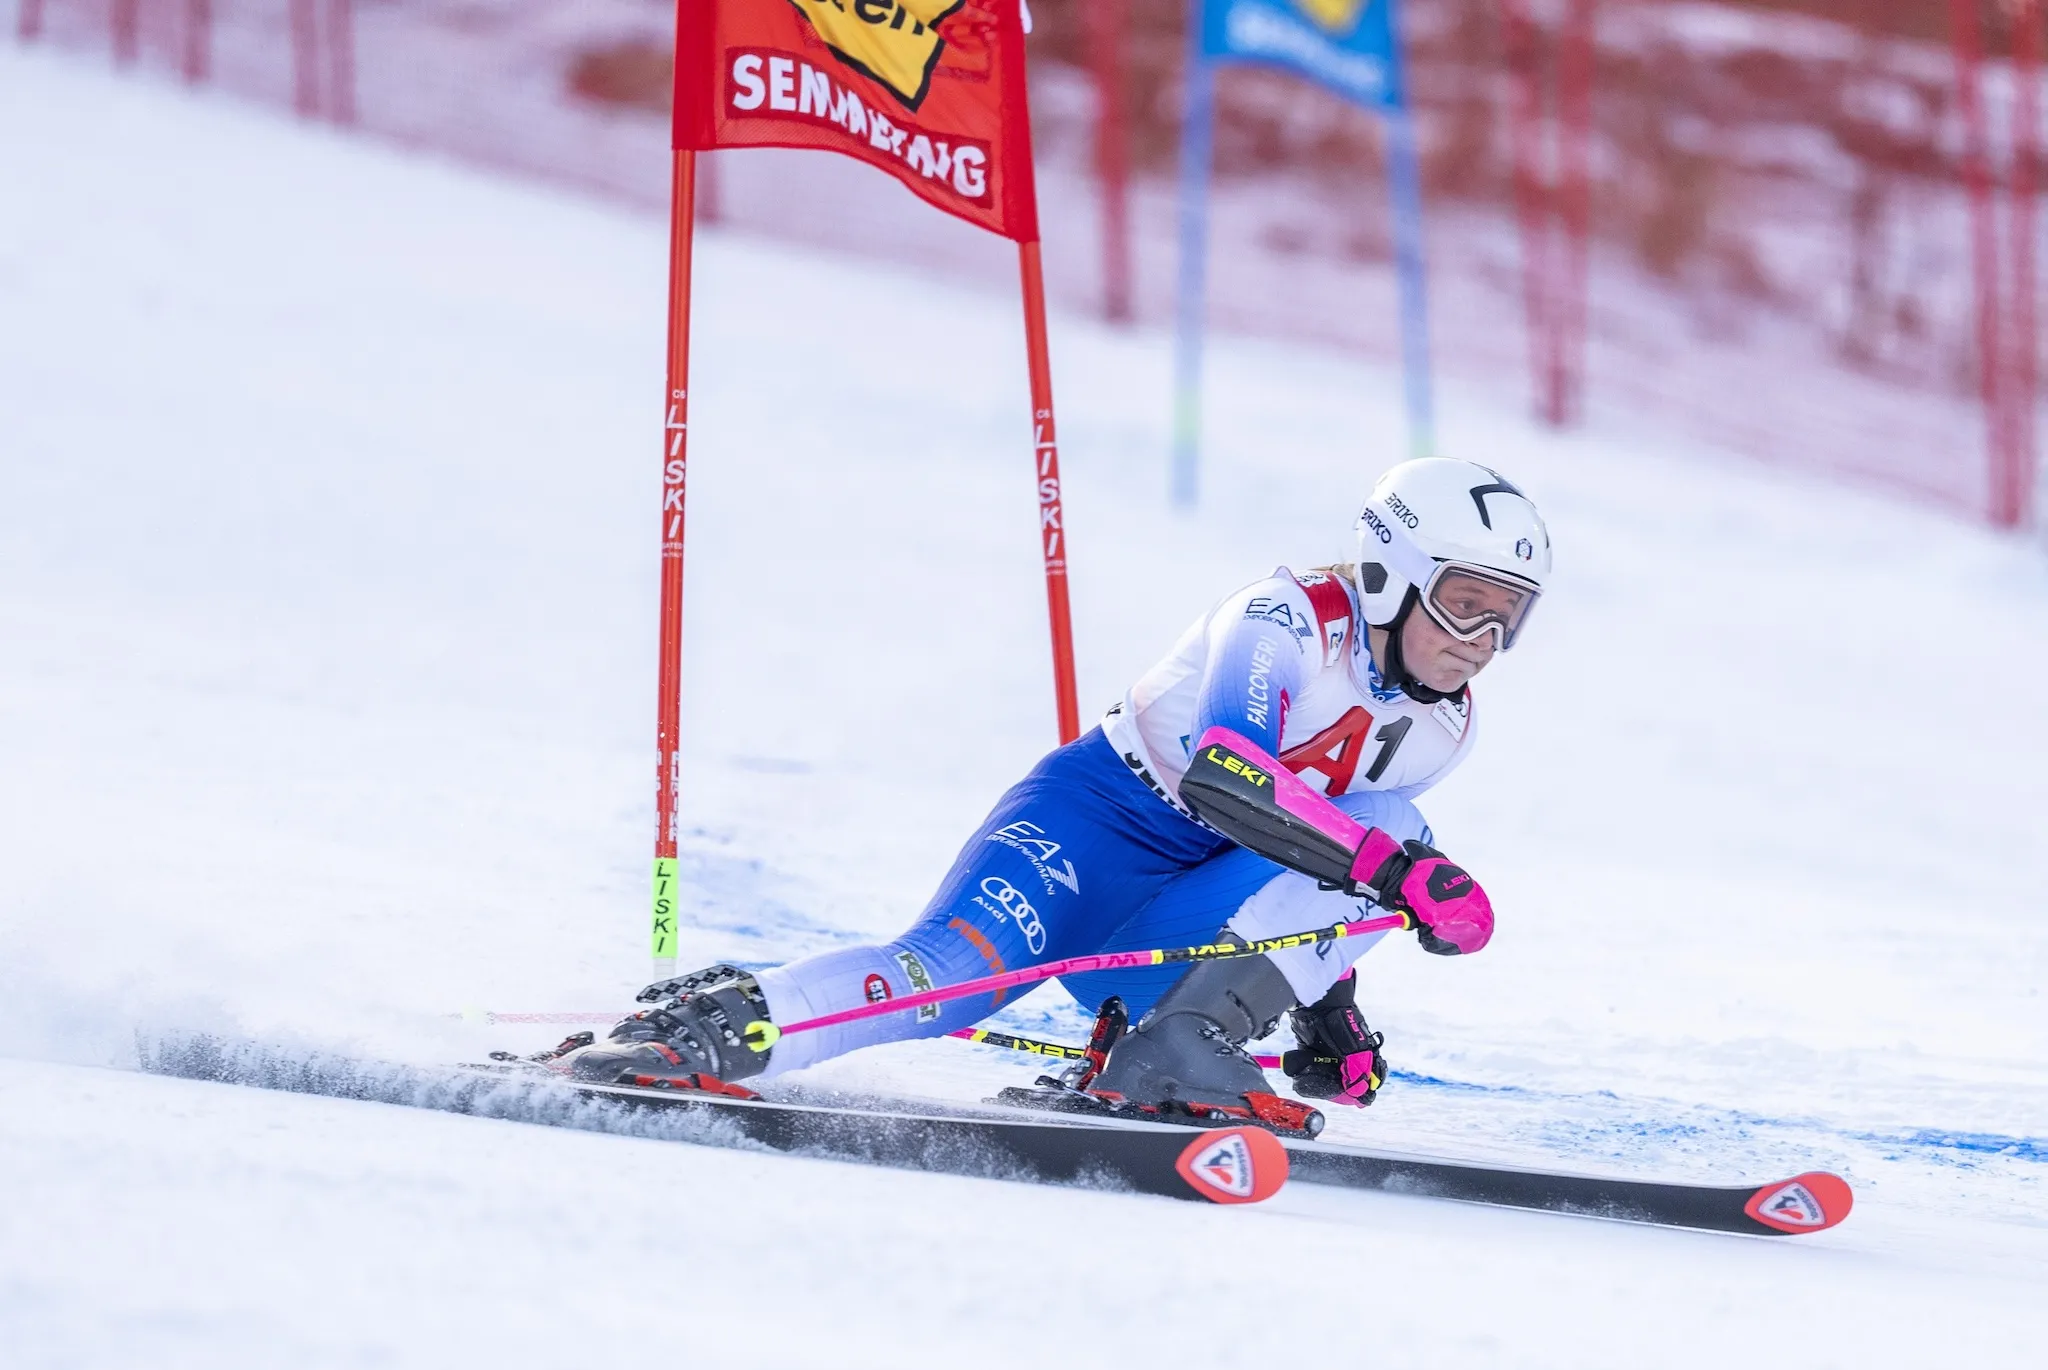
(1187, 1060)
(702, 1038)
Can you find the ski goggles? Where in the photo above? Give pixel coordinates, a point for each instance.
(1468, 602)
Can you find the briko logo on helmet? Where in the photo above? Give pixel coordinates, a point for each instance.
(1479, 567)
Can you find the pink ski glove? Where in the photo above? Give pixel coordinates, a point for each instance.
(1453, 916)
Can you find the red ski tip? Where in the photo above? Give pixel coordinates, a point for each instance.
(1812, 1202)
(1235, 1165)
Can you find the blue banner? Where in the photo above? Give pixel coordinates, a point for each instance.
(1346, 45)
(1350, 47)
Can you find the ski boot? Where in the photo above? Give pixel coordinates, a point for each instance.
(1186, 1062)
(705, 1037)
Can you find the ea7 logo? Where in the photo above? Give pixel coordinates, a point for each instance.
(1030, 839)
(1012, 904)
(895, 42)
(1265, 606)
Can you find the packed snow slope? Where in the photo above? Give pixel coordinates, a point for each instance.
(328, 485)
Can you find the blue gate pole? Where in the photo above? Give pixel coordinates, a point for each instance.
(1404, 184)
(1197, 139)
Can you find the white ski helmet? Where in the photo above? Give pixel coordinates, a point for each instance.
(1457, 538)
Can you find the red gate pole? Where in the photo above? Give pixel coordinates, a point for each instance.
(1051, 532)
(198, 40)
(1112, 162)
(1983, 232)
(674, 485)
(127, 23)
(2016, 495)
(28, 21)
(305, 59)
(341, 61)
(1575, 59)
(710, 204)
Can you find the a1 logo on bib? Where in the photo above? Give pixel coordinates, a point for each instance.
(1238, 1166)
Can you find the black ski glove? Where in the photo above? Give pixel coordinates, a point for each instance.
(1339, 1058)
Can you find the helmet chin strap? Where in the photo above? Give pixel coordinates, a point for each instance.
(1396, 665)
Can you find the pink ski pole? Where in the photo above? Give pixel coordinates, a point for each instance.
(763, 1035)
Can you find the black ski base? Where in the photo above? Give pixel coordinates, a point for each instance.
(1056, 1153)
(1804, 1203)
(1146, 1158)
(1223, 1159)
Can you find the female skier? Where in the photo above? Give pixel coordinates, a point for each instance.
(1258, 781)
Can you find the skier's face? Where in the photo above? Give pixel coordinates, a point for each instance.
(1439, 660)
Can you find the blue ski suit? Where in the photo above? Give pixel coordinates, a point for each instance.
(1093, 852)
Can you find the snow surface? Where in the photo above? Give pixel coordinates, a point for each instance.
(327, 575)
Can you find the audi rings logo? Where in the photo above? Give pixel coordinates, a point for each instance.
(1012, 904)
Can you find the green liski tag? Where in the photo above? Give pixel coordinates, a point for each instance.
(664, 908)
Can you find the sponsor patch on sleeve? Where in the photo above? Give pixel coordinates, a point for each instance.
(1333, 613)
(920, 981)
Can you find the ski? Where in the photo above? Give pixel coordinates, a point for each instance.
(1194, 1159)
(1225, 1166)
(1812, 1202)
(1230, 1165)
